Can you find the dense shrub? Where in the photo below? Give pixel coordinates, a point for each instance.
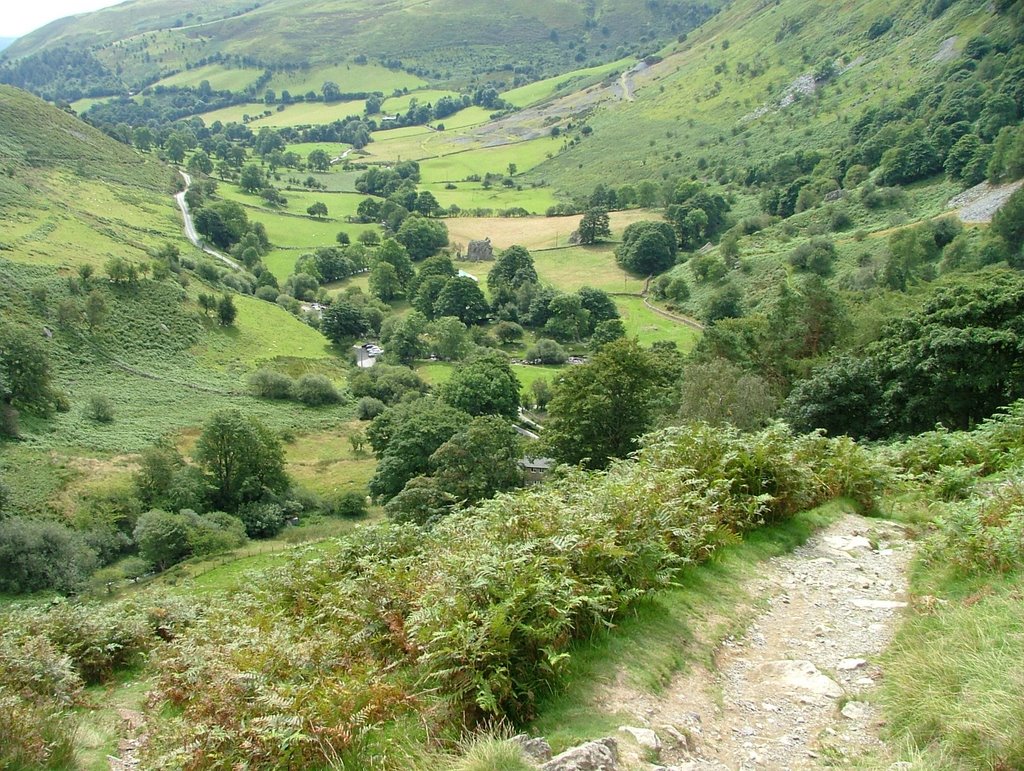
(100, 409)
(348, 504)
(547, 351)
(368, 408)
(268, 384)
(262, 520)
(814, 256)
(37, 555)
(316, 391)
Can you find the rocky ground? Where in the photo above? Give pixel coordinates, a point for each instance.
(791, 693)
(979, 203)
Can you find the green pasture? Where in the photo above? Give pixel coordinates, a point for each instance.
(326, 463)
(236, 113)
(289, 230)
(262, 331)
(295, 114)
(530, 373)
(578, 266)
(472, 195)
(334, 181)
(221, 78)
(339, 205)
(349, 77)
(470, 116)
(648, 327)
(454, 166)
(81, 105)
(87, 221)
(541, 90)
(412, 143)
(333, 149)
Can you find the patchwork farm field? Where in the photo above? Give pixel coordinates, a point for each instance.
(535, 232)
(349, 77)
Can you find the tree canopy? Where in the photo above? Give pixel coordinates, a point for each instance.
(242, 460)
(404, 437)
(485, 385)
(600, 408)
(647, 248)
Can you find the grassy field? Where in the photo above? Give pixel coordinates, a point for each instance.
(326, 463)
(470, 116)
(87, 220)
(535, 232)
(221, 78)
(541, 90)
(303, 149)
(472, 195)
(349, 77)
(457, 166)
(339, 205)
(402, 103)
(262, 332)
(578, 266)
(438, 372)
(648, 327)
(295, 114)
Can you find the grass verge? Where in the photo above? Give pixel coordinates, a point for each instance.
(954, 686)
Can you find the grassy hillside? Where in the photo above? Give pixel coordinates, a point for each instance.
(714, 101)
(73, 198)
(152, 39)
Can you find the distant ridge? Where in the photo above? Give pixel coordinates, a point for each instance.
(6, 41)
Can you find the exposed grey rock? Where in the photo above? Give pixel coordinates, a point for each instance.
(685, 742)
(600, 755)
(538, 750)
(854, 710)
(645, 737)
(877, 604)
(800, 676)
(848, 543)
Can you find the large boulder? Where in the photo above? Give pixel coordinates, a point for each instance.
(600, 755)
(538, 750)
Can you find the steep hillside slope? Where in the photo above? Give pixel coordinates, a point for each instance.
(742, 89)
(70, 194)
(76, 202)
(145, 40)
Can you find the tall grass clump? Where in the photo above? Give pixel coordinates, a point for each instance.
(442, 630)
(954, 686)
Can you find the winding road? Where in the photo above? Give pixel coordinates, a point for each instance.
(190, 227)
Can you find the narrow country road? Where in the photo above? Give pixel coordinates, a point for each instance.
(190, 227)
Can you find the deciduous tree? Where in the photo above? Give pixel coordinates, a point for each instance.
(600, 408)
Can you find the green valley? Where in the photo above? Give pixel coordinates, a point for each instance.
(381, 381)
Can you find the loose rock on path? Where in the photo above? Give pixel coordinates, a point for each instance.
(789, 693)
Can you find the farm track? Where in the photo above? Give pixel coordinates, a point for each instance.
(190, 227)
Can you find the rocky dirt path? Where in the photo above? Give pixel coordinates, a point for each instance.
(788, 693)
(129, 746)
